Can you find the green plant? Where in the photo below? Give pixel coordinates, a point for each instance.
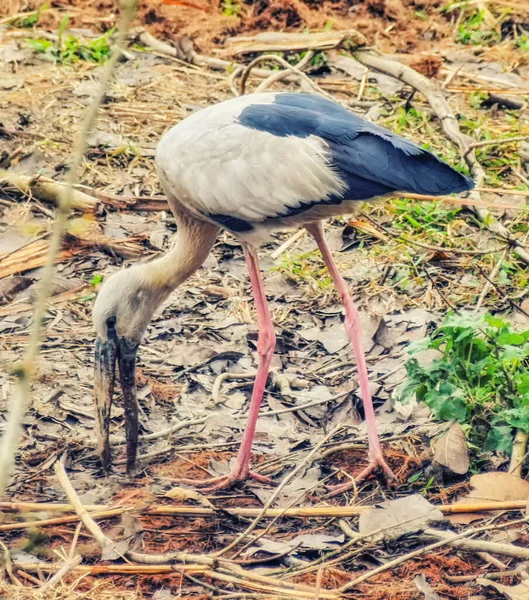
(231, 8)
(70, 49)
(307, 267)
(422, 216)
(471, 30)
(480, 379)
(28, 20)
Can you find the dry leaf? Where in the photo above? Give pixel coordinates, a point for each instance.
(511, 592)
(490, 487)
(451, 450)
(401, 516)
(179, 493)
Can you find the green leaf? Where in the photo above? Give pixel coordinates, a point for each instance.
(511, 338)
(419, 346)
(448, 402)
(499, 439)
(40, 44)
(517, 417)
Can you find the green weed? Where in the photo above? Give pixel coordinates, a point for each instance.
(231, 8)
(306, 267)
(471, 30)
(480, 380)
(69, 49)
(29, 20)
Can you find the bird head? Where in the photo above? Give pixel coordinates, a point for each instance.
(122, 312)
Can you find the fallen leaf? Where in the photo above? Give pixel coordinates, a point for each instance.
(511, 592)
(178, 493)
(398, 517)
(293, 491)
(451, 450)
(423, 586)
(490, 487)
(497, 487)
(317, 541)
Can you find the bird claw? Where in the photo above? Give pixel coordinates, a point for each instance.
(224, 482)
(375, 462)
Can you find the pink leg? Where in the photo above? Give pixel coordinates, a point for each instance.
(352, 326)
(265, 349)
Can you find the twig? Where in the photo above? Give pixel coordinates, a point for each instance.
(24, 371)
(278, 490)
(493, 575)
(520, 138)
(66, 568)
(47, 190)
(285, 245)
(502, 293)
(199, 511)
(446, 541)
(294, 70)
(280, 75)
(96, 531)
(481, 546)
(399, 237)
(488, 284)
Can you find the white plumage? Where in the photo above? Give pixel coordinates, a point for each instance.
(213, 164)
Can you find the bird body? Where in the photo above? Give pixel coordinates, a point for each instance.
(252, 165)
(260, 163)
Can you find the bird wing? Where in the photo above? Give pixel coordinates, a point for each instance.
(273, 155)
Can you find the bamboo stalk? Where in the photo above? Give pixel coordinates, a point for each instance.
(103, 512)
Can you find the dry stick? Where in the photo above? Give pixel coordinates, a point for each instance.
(67, 567)
(488, 284)
(47, 190)
(520, 138)
(280, 75)
(277, 491)
(103, 512)
(294, 70)
(153, 559)
(450, 125)
(406, 240)
(286, 245)
(444, 542)
(24, 371)
(96, 531)
(481, 546)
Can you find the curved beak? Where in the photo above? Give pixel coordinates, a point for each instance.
(107, 353)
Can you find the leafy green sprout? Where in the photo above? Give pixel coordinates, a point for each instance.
(231, 8)
(471, 30)
(480, 379)
(69, 49)
(29, 20)
(305, 267)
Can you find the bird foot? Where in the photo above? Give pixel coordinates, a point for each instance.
(375, 462)
(224, 482)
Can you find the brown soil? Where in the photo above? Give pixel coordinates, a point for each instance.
(392, 25)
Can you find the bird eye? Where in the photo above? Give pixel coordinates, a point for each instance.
(111, 322)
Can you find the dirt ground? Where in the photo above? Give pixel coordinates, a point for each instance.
(407, 264)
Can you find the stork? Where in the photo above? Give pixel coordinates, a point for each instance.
(253, 165)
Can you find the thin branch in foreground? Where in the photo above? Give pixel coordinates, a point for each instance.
(24, 371)
(449, 539)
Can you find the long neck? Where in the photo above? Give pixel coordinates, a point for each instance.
(193, 242)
